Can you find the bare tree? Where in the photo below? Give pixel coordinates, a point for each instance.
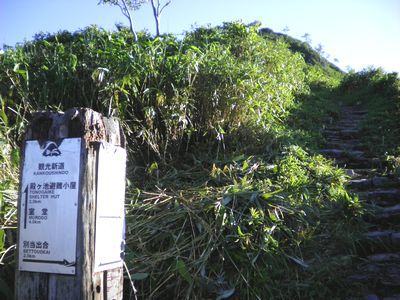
(127, 6)
(158, 7)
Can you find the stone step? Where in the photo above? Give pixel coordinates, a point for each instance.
(340, 153)
(376, 204)
(385, 194)
(380, 271)
(389, 239)
(342, 134)
(384, 219)
(353, 113)
(354, 120)
(378, 275)
(361, 163)
(343, 131)
(353, 110)
(378, 241)
(389, 296)
(359, 112)
(346, 146)
(340, 127)
(384, 181)
(387, 214)
(343, 142)
(384, 257)
(360, 173)
(379, 197)
(350, 118)
(360, 184)
(373, 182)
(392, 297)
(343, 126)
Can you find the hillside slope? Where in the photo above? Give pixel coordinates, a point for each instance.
(310, 55)
(226, 193)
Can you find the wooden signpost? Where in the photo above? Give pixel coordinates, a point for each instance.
(71, 207)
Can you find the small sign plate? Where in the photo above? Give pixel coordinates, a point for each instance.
(110, 216)
(49, 206)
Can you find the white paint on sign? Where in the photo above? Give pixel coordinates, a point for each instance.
(49, 206)
(110, 216)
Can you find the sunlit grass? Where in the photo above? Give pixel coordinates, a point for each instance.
(225, 192)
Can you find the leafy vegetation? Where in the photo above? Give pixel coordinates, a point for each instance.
(169, 92)
(379, 92)
(244, 226)
(310, 55)
(225, 195)
(9, 162)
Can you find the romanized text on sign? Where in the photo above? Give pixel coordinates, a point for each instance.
(49, 206)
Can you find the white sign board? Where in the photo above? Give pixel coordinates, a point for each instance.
(49, 206)
(110, 216)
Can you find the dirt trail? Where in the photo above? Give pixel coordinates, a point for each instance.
(378, 266)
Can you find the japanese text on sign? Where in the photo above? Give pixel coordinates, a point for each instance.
(48, 204)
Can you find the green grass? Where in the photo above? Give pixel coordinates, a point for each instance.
(225, 193)
(379, 93)
(244, 225)
(9, 164)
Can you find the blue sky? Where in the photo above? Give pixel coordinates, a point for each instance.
(359, 33)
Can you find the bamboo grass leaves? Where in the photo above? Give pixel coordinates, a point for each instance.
(220, 201)
(241, 229)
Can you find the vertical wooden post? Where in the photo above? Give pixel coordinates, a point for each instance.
(82, 279)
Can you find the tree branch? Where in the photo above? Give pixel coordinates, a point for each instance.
(157, 11)
(126, 13)
(165, 5)
(156, 15)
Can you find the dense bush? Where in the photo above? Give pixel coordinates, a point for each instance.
(246, 227)
(379, 92)
(221, 198)
(211, 83)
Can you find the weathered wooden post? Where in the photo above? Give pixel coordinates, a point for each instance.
(71, 207)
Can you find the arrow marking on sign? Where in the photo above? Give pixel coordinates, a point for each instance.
(63, 262)
(26, 205)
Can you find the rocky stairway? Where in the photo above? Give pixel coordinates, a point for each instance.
(378, 270)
